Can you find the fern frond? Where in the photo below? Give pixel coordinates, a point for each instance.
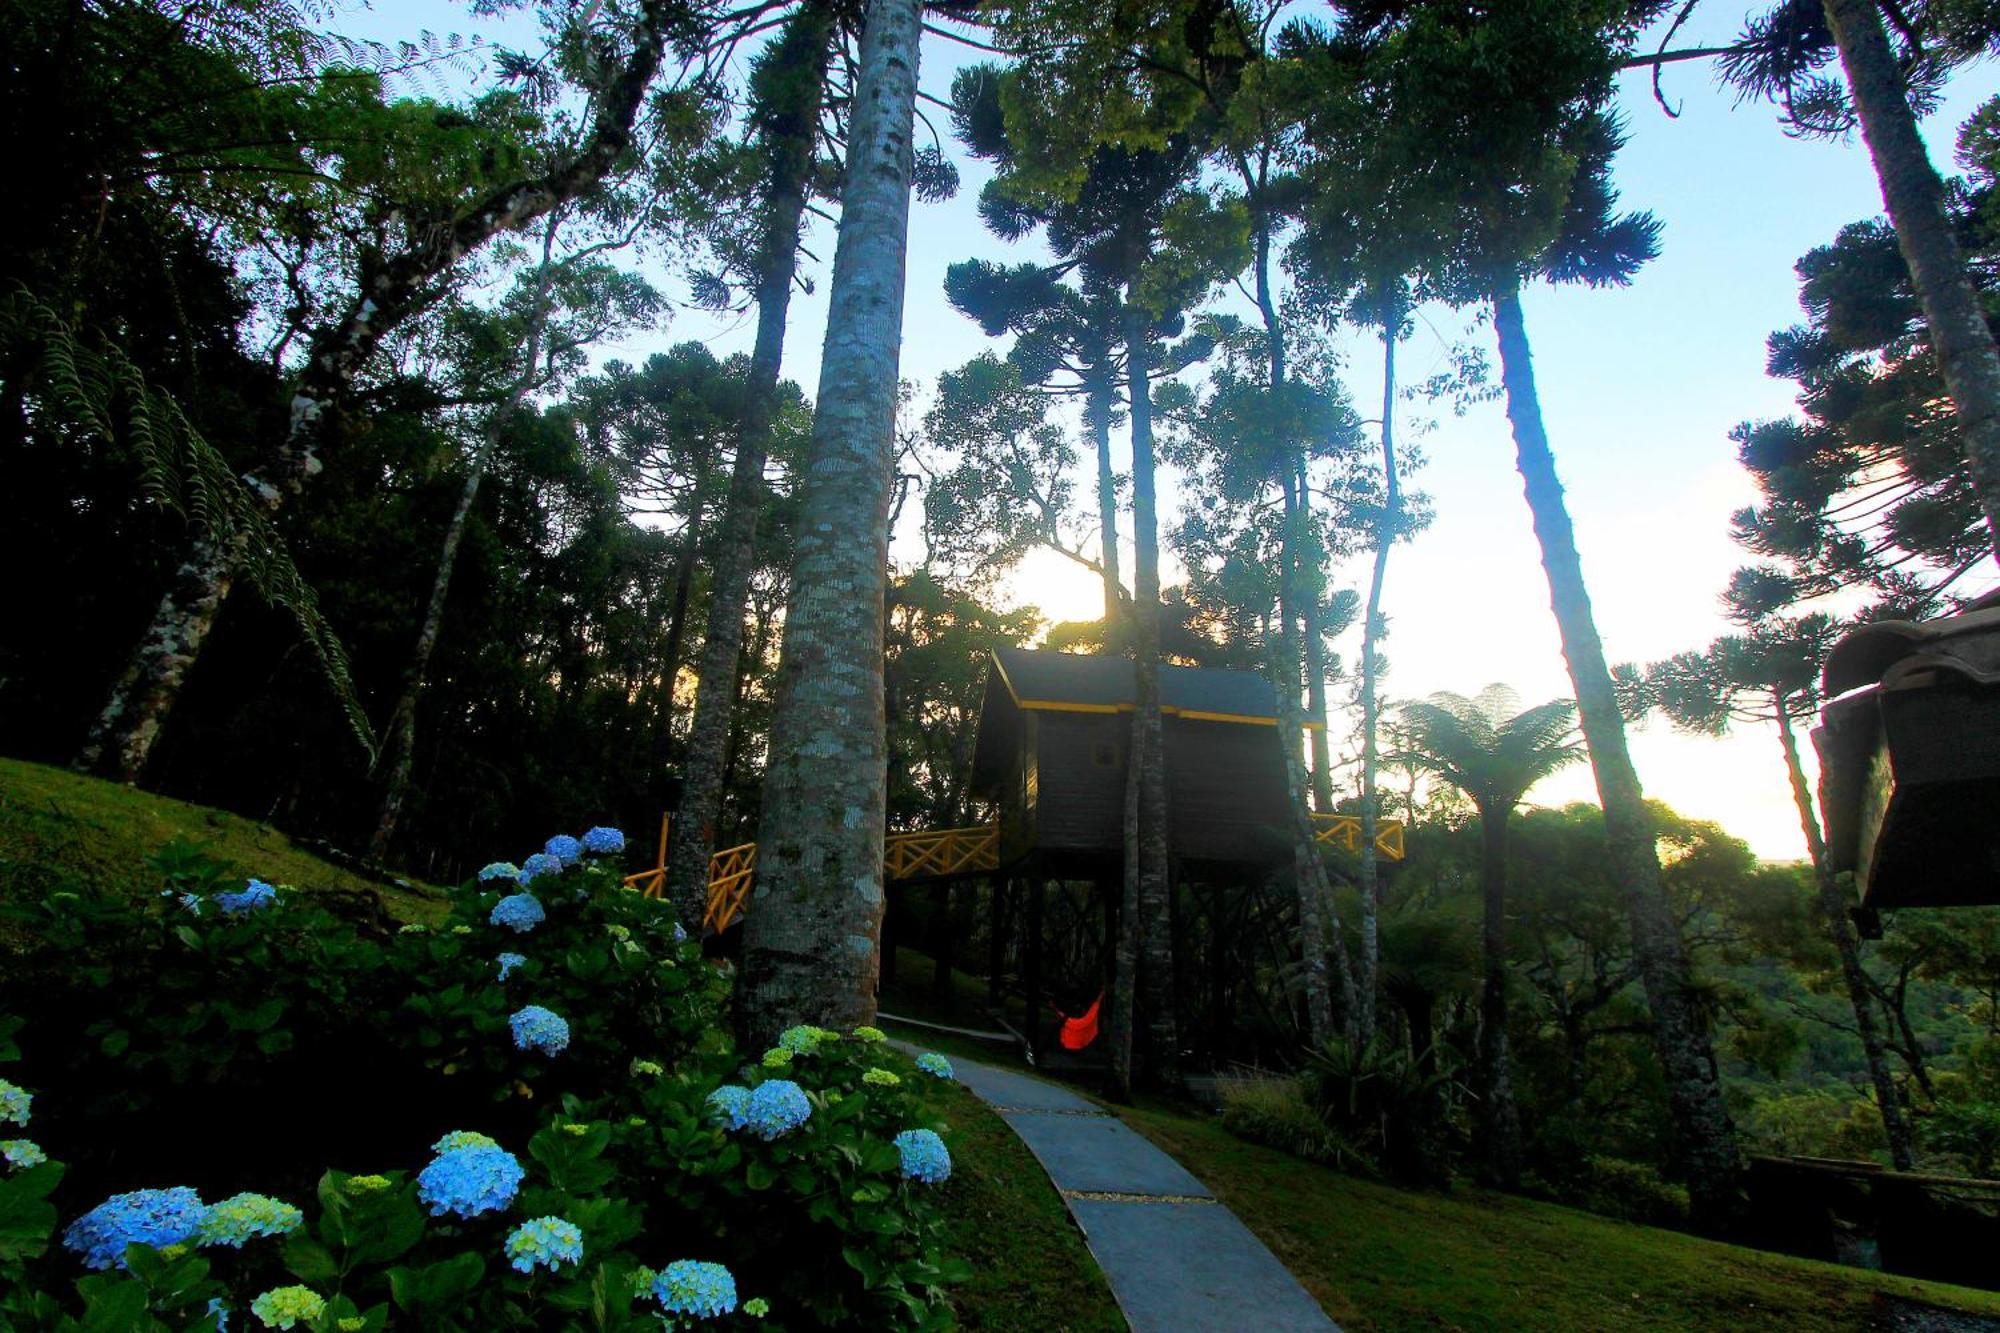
(89, 386)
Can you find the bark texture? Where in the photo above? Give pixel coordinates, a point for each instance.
(790, 133)
(1914, 195)
(1499, 1118)
(1704, 1140)
(1099, 393)
(1833, 905)
(811, 938)
(1156, 938)
(1371, 633)
(389, 288)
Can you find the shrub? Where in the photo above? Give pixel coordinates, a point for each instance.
(225, 1052)
(1273, 1112)
(1629, 1191)
(1395, 1107)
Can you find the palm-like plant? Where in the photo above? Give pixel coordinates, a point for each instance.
(1493, 750)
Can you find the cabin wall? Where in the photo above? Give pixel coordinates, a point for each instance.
(1019, 794)
(1082, 773)
(1226, 791)
(1225, 786)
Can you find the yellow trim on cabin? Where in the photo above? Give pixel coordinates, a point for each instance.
(1166, 710)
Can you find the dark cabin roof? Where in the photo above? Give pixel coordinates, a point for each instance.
(1080, 682)
(1024, 679)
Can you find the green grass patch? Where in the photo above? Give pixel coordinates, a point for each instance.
(61, 829)
(1031, 1268)
(1379, 1257)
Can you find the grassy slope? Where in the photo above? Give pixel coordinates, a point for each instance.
(1382, 1258)
(1378, 1257)
(101, 834)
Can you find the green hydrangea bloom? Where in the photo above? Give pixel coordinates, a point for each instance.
(367, 1184)
(285, 1307)
(777, 1058)
(576, 1131)
(463, 1138)
(865, 1034)
(756, 1307)
(461, 930)
(648, 1067)
(352, 1324)
(881, 1078)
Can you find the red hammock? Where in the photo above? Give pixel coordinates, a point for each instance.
(1080, 1031)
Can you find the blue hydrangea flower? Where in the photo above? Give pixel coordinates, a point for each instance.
(680, 933)
(469, 1181)
(14, 1103)
(777, 1108)
(520, 912)
(934, 1064)
(541, 863)
(510, 961)
(925, 1157)
(729, 1106)
(604, 841)
(242, 1217)
(691, 1287)
(22, 1153)
(564, 849)
(499, 870)
(546, 1242)
(539, 1029)
(218, 1312)
(143, 1217)
(192, 902)
(253, 897)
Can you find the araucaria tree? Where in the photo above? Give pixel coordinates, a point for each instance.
(1524, 189)
(812, 937)
(400, 266)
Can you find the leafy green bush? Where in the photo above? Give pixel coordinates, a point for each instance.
(1273, 1112)
(1629, 1191)
(1394, 1106)
(303, 1038)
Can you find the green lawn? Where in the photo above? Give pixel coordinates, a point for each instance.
(1378, 1257)
(1031, 1269)
(58, 825)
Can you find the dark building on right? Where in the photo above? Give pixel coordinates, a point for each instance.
(1909, 747)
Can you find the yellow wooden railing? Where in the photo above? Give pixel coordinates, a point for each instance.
(950, 851)
(1345, 831)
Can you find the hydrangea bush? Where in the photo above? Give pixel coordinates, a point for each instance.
(629, 1150)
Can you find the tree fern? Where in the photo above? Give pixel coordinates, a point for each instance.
(88, 385)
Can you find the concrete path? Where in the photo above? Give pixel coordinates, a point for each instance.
(1177, 1260)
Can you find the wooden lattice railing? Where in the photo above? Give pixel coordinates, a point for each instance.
(951, 851)
(1345, 831)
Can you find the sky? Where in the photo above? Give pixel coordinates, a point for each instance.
(1640, 388)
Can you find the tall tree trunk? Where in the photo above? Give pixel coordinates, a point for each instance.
(1833, 904)
(1500, 1119)
(1125, 966)
(811, 936)
(1371, 634)
(388, 289)
(670, 651)
(790, 131)
(1318, 922)
(1704, 1140)
(1915, 195)
(1099, 392)
(1156, 941)
(400, 738)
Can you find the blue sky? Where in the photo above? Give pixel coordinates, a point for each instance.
(1640, 388)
